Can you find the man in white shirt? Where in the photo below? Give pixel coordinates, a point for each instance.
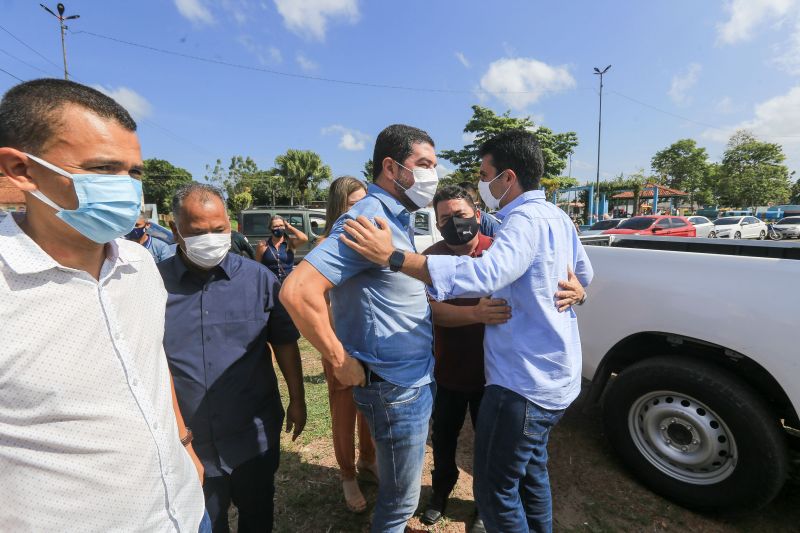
(89, 437)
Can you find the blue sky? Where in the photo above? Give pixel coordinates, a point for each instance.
(681, 68)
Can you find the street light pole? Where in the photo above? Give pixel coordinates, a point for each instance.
(61, 18)
(600, 73)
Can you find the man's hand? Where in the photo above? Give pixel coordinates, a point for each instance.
(295, 418)
(374, 243)
(492, 311)
(351, 373)
(572, 292)
(198, 465)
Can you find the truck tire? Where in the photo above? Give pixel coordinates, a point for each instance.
(696, 434)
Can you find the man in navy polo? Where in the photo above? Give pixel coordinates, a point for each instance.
(222, 311)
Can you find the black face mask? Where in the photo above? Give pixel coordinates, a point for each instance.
(278, 232)
(459, 230)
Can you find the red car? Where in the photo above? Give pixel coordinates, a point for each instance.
(662, 225)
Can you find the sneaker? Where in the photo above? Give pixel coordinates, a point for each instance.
(435, 509)
(477, 526)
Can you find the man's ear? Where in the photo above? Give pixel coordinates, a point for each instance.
(387, 165)
(478, 214)
(14, 165)
(511, 177)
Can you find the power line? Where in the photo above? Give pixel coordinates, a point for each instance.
(294, 75)
(29, 47)
(34, 67)
(7, 72)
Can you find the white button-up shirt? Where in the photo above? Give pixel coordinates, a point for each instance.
(88, 438)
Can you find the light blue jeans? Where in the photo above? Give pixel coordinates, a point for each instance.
(205, 523)
(398, 420)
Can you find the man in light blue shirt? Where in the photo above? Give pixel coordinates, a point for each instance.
(382, 321)
(533, 361)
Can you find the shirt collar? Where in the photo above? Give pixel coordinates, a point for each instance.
(24, 256)
(391, 203)
(525, 197)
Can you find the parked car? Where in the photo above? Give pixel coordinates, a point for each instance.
(599, 227)
(661, 225)
(740, 228)
(704, 227)
(254, 223)
(789, 227)
(700, 402)
(425, 231)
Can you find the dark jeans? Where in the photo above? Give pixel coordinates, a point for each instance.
(512, 488)
(449, 409)
(251, 488)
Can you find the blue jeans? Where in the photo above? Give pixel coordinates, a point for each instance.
(512, 488)
(205, 524)
(398, 420)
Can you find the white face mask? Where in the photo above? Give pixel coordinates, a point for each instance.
(207, 250)
(488, 198)
(425, 182)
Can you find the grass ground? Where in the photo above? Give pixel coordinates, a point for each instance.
(591, 490)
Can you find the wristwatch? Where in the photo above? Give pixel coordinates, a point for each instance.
(396, 260)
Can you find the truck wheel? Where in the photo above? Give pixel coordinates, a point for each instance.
(696, 434)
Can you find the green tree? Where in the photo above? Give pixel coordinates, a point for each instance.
(241, 174)
(303, 170)
(367, 172)
(685, 165)
(160, 180)
(551, 185)
(485, 124)
(269, 188)
(795, 192)
(752, 172)
(241, 201)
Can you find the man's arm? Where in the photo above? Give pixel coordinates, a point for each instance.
(182, 432)
(303, 296)
(487, 311)
(288, 357)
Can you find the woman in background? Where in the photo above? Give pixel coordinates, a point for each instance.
(277, 252)
(344, 192)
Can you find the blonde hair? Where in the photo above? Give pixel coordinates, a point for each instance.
(338, 192)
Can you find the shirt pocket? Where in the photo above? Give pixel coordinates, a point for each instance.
(244, 324)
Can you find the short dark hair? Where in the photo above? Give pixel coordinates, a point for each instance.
(452, 192)
(519, 151)
(396, 141)
(28, 111)
(468, 186)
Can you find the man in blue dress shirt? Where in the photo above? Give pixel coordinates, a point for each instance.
(533, 361)
(382, 320)
(222, 311)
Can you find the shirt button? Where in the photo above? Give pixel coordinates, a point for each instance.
(155, 425)
(135, 382)
(205, 312)
(208, 337)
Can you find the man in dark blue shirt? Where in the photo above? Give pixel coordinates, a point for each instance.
(222, 311)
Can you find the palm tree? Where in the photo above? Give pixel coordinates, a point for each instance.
(302, 170)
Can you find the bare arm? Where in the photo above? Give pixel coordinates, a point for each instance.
(182, 432)
(303, 296)
(288, 357)
(261, 248)
(298, 236)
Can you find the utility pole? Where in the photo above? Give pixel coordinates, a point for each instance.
(600, 73)
(61, 18)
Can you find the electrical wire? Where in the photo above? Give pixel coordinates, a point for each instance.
(7, 72)
(29, 47)
(34, 67)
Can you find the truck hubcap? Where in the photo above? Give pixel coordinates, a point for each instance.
(682, 437)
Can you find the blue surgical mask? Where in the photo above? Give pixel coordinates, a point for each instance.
(108, 204)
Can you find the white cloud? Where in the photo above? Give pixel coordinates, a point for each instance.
(136, 104)
(681, 83)
(309, 18)
(442, 171)
(350, 139)
(194, 10)
(724, 105)
(462, 59)
(746, 15)
(520, 82)
(469, 138)
(305, 63)
(266, 55)
(774, 120)
(788, 58)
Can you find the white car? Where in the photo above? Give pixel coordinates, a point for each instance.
(788, 227)
(705, 228)
(425, 231)
(740, 228)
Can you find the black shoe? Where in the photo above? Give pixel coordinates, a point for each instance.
(477, 526)
(435, 509)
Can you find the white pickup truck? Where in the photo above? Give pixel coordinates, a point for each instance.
(692, 348)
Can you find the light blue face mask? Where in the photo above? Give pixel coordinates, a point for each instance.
(108, 204)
